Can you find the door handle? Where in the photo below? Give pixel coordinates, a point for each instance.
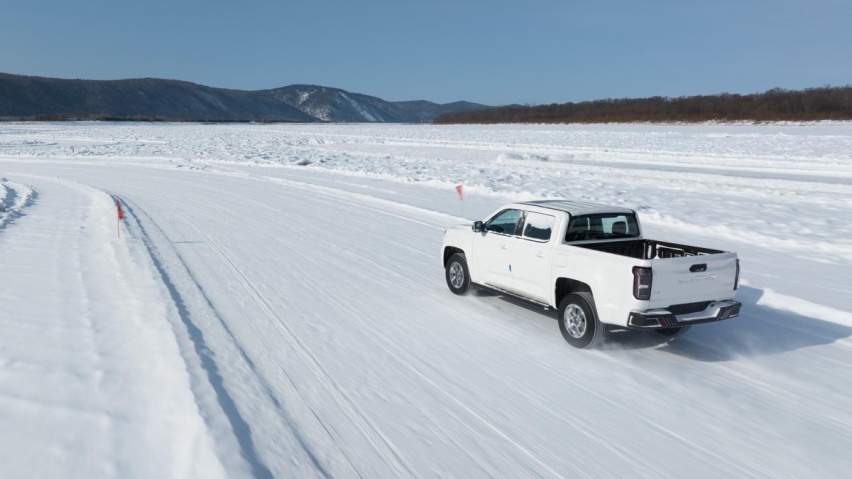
(539, 254)
(503, 246)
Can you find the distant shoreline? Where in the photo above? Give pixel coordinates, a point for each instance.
(812, 104)
(259, 122)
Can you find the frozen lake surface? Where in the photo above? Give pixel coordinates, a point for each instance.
(275, 304)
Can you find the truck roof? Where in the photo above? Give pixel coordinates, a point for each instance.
(577, 207)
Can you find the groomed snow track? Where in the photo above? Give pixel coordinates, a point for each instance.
(254, 321)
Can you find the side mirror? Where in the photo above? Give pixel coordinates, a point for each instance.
(477, 227)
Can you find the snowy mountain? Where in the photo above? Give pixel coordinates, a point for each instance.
(334, 104)
(25, 97)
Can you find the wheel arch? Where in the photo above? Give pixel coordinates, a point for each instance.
(566, 286)
(449, 251)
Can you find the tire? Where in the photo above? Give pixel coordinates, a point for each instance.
(673, 332)
(578, 321)
(457, 274)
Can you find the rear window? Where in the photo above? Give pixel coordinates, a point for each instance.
(602, 227)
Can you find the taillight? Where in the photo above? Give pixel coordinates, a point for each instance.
(737, 278)
(642, 282)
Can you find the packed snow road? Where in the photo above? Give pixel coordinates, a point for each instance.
(259, 318)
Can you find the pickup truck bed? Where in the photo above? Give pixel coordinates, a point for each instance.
(648, 249)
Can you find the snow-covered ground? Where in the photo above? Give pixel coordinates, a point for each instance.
(275, 305)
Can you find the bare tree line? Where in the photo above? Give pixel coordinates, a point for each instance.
(825, 103)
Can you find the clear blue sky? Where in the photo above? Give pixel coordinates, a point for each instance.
(493, 52)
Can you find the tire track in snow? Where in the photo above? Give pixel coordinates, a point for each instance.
(368, 429)
(204, 355)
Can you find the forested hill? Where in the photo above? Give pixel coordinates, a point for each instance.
(827, 103)
(39, 98)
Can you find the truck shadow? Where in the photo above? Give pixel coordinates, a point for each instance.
(760, 330)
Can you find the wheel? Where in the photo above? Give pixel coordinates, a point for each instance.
(579, 322)
(673, 332)
(458, 276)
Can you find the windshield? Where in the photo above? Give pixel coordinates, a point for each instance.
(602, 227)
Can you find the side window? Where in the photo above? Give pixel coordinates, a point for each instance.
(504, 222)
(538, 226)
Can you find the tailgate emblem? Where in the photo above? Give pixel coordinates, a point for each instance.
(696, 279)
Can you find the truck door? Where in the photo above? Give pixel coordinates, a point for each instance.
(492, 258)
(531, 257)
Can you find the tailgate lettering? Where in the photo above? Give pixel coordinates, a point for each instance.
(697, 279)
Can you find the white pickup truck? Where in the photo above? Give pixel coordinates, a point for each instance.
(592, 264)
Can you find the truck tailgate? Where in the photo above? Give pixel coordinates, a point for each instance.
(691, 279)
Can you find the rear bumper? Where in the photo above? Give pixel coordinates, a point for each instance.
(663, 318)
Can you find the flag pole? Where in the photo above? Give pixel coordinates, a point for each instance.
(119, 215)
